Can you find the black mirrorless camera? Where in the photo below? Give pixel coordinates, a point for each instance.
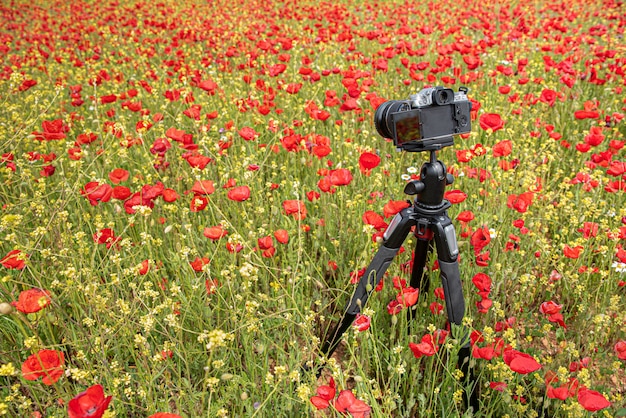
(427, 120)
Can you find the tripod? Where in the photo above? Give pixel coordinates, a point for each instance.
(428, 215)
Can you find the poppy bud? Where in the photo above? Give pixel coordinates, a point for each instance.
(6, 308)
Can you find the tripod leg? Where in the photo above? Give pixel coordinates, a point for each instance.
(419, 278)
(447, 252)
(394, 236)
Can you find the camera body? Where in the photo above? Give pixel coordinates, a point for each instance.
(427, 120)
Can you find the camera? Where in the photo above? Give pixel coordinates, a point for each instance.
(427, 120)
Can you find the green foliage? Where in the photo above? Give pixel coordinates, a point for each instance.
(167, 319)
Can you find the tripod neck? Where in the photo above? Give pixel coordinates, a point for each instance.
(431, 186)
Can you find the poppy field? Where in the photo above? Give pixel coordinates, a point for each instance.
(190, 192)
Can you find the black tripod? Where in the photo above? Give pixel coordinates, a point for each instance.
(428, 215)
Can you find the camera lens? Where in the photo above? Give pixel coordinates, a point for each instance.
(382, 117)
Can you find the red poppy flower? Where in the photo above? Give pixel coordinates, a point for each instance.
(465, 216)
(484, 304)
(550, 307)
(482, 282)
(548, 97)
(504, 89)
(589, 229)
(426, 347)
(45, 363)
(118, 175)
(393, 207)
(15, 259)
(198, 263)
(487, 353)
(398, 282)
(561, 392)
(265, 242)
(248, 133)
(408, 296)
(586, 114)
(26, 84)
(178, 135)
(211, 286)
(325, 394)
(347, 402)
(312, 196)
(193, 112)
(519, 362)
(47, 171)
(281, 236)
(144, 267)
(198, 161)
(552, 311)
(394, 307)
(480, 239)
(97, 192)
(105, 236)
(368, 161)
(203, 187)
(455, 196)
(32, 300)
(53, 130)
(591, 400)
(89, 404)
(110, 98)
(362, 322)
(521, 202)
(583, 363)
(572, 252)
(374, 219)
(349, 104)
(464, 156)
(198, 203)
(293, 88)
(436, 308)
(499, 386)
(595, 136)
(160, 146)
(121, 193)
(319, 402)
(239, 193)
(208, 85)
(340, 177)
(215, 232)
(620, 349)
(170, 195)
(502, 148)
(234, 247)
(491, 121)
(295, 208)
(616, 168)
(151, 192)
(131, 202)
(482, 259)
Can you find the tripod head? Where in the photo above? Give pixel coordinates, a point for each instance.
(430, 188)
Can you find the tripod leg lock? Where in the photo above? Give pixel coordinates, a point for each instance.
(445, 237)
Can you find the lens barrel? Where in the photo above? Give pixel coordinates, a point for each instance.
(382, 117)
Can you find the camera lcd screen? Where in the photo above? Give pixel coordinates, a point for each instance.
(408, 126)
